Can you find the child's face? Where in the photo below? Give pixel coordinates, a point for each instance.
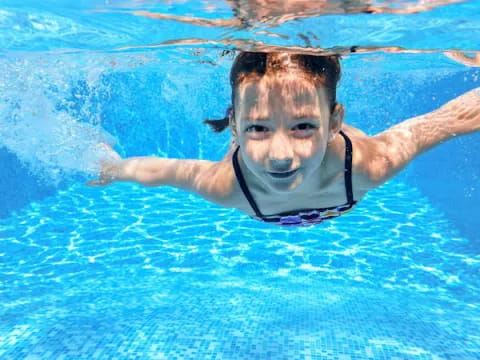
(282, 127)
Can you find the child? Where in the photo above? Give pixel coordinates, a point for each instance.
(293, 160)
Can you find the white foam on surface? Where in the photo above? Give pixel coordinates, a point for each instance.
(38, 124)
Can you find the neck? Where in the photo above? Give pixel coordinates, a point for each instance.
(330, 168)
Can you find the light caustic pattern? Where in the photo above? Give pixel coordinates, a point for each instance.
(95, 274)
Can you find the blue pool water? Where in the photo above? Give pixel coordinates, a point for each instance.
(128, 272)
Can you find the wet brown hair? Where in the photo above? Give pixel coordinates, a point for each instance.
(324, 71)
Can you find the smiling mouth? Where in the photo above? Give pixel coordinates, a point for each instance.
(282, 175)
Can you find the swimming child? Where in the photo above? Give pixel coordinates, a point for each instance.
(293, 159)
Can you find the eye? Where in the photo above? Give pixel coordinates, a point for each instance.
(257, 132)
(304, 130)
(304, 126)
(256, 128)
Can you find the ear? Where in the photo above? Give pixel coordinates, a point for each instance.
(336, 120)
(233, 125)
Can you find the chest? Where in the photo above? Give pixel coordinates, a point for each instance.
(270, 204)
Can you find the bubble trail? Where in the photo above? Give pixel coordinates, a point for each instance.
(46, 121)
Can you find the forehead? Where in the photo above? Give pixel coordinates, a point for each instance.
(289, 92)
(292, 84)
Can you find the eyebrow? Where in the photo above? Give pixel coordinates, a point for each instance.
(297, 112)
(257, 118)
(299, 116)
(305, 112)
(305, 115)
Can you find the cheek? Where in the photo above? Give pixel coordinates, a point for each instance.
(257, 151)
(308, 148)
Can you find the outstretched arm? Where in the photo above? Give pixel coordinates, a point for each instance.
(211, 180)
(400, 144)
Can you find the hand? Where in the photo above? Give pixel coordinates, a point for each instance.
(465, 59)
(110, 167)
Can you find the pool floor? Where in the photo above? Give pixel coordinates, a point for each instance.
(133, 273)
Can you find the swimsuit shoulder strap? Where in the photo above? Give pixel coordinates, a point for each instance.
(348, 168)
(243, 184)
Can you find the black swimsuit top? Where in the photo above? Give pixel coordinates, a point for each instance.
(302, 217)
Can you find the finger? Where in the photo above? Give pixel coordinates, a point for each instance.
(106, 146)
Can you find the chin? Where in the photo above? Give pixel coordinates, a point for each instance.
(284, 185)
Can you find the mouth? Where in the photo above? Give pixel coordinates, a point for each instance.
(282, 175)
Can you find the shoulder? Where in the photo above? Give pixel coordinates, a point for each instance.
(217, 183)
(369, 160)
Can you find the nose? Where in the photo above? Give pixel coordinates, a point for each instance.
(280, 165)
(281, 153)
